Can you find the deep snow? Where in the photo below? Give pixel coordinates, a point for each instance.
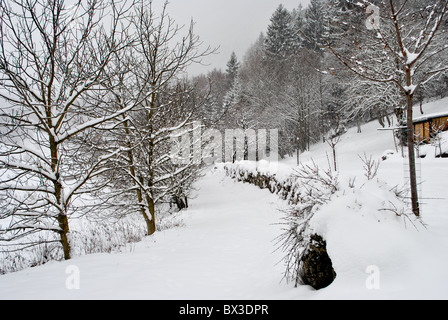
(226, 248)
(224, 252)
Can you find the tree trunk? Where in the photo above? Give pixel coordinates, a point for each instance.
(132, 171)
(411, 155)
(58, 192)
(150, 192)
(63, 225)
(151, 223)
(334, 158)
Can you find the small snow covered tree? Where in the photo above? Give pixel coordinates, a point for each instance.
(51, 56)
(403, 46)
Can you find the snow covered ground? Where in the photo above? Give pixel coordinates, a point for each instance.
(226, 248)
(224, 252)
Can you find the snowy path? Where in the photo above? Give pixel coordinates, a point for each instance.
(224, 252)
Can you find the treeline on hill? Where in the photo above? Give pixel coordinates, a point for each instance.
(291, 80)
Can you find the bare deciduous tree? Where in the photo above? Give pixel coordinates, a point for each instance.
(51, 57)
(151, 80)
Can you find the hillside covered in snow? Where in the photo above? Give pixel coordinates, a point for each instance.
(226, 249)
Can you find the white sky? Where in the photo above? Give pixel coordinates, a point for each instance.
(233, 25)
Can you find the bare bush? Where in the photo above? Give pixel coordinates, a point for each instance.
(370, 166)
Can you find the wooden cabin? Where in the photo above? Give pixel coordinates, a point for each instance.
(427, 126)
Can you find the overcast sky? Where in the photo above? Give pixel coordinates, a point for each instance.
(233, 25)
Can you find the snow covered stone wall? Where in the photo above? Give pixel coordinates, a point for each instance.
(363, 222)
(284, 184)
(306, 189)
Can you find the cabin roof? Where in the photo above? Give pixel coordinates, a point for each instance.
(431, 116)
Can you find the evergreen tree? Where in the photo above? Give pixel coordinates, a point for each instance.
(233, 96)
(280, 40)
(298, 23)
(314, 27)
(233, 67)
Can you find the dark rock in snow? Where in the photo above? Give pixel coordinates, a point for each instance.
(317, 269)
